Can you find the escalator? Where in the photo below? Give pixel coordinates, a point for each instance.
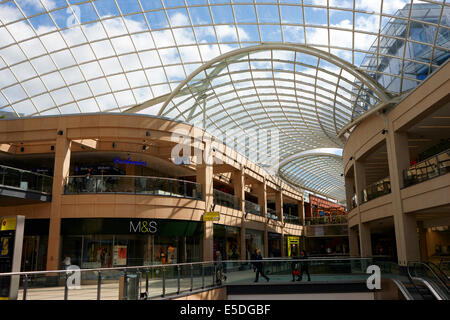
(417, 281)
(427, 282)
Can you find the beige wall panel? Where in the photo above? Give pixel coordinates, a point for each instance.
(427, 194)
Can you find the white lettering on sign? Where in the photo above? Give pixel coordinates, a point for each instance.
(143, 227)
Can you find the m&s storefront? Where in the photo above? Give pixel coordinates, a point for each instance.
(104, 243)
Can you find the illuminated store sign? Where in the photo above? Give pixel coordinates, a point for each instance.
(143, 227)
(128, 161)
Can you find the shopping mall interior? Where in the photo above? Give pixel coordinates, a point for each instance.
(159, 134)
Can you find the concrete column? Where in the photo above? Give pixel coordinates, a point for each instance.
(406, 236)
(60, 174)
(423, 241)
(238, 179)
(365, 245)
(279, 205)
(349, 191)
(205, 178)
(365, 240)
(262, 197)
(301, 210)
(353, 242)
(283, 244)
(262, 202)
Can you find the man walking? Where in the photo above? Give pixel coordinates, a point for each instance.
(304, 266)
(259, 267)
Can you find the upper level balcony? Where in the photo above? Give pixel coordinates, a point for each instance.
(272, 214)
(226, 200)
(18, 183)
(375, 190)
(328, 219)
(133, 184)
(253, 208)
(293, 219)
(429, 168)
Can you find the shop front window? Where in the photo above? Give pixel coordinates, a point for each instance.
(173, 242)
(227, 240)
(274, 245)
(254, 240)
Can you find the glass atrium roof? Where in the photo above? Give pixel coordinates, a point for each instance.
(308, 69)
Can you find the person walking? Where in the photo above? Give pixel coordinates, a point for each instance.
(259, 267)
(219, 268)
(304, 266)
(294, 268)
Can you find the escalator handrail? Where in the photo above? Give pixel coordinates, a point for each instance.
(403, 290)
(442, 276)
(440, 267)
(410, 277)
(427, 284)
(430, 287)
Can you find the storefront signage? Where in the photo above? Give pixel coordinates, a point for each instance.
(143, 226)
(211, 216)
(132, 162)
(11, 242)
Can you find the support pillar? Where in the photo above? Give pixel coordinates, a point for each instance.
(238, 179)
(406, 236)
(60, 174)
(205, 178)
(423, 241)
(349, 191)
(353, 242)
(262, 202)
(365, 240)
(365, 245)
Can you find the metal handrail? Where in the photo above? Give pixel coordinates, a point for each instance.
(435, 276)
(138, 270)
(368, 192)
(156, 266)
(40, 183)
(441, 276)
(130, 176)
(222, 198)
(27, 171)
(409, 176)
(138, 185)
(340, 219)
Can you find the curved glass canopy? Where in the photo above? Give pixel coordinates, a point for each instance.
(307, 68)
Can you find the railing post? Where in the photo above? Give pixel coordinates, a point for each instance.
(164, 282)
(125, 285)
(203, 276)
(192, 277)
(178, 279)
(138, 279)
(146, 281)
(66, 288)
(25, 287)
(99, 285)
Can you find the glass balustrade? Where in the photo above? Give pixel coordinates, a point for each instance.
(272, 214)
(25, 180)
(332, 219)
(156, 281)
(252, 208)
(376, 190)
(133, 184)
(434, 166)
(292, 219)
(226, 200)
